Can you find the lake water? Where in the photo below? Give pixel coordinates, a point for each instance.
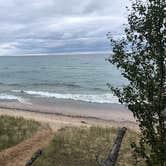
(76, 77)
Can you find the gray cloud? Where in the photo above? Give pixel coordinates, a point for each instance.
(36, 26)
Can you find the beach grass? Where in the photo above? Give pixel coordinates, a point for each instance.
(14, 130)
(75, 146)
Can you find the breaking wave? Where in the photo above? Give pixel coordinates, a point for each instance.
(94, 98)
(12, 97)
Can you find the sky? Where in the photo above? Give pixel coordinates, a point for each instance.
(57, 26)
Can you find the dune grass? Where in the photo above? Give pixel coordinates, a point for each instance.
(79, 146)
(14, 130)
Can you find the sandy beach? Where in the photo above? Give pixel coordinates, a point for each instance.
(56, 116)
(69, 113)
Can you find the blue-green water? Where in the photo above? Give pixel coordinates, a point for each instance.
(77, 77)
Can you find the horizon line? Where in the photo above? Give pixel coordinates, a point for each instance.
(62, 53)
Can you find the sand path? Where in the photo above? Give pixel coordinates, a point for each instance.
(19, 154)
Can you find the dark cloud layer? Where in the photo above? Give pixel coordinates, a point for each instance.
(50, 26)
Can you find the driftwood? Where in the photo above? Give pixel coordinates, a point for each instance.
(33, 158)
(113, 155)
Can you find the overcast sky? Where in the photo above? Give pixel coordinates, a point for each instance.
(51, 26)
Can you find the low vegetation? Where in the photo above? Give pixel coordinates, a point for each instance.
(14, 130)
(79, 146)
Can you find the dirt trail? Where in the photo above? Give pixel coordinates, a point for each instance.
(19, 154)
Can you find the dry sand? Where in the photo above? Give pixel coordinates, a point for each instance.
(57, 121)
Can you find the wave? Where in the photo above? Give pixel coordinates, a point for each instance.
(94, 98)
(43, 84)
(54, 85)
(12, 97)
(12, 84)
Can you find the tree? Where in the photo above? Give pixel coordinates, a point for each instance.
(141, 57)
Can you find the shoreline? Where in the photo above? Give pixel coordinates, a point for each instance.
(74, 108)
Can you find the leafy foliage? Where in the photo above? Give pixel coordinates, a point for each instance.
(141, 57)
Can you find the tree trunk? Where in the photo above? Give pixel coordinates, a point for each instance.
(33, 158)
(113, 155)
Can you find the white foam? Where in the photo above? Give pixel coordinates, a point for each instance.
(8, 97)
(95, 98)
(12, 97)
(16, 90)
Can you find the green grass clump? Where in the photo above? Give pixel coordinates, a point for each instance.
(79, 146)
(13, 130)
